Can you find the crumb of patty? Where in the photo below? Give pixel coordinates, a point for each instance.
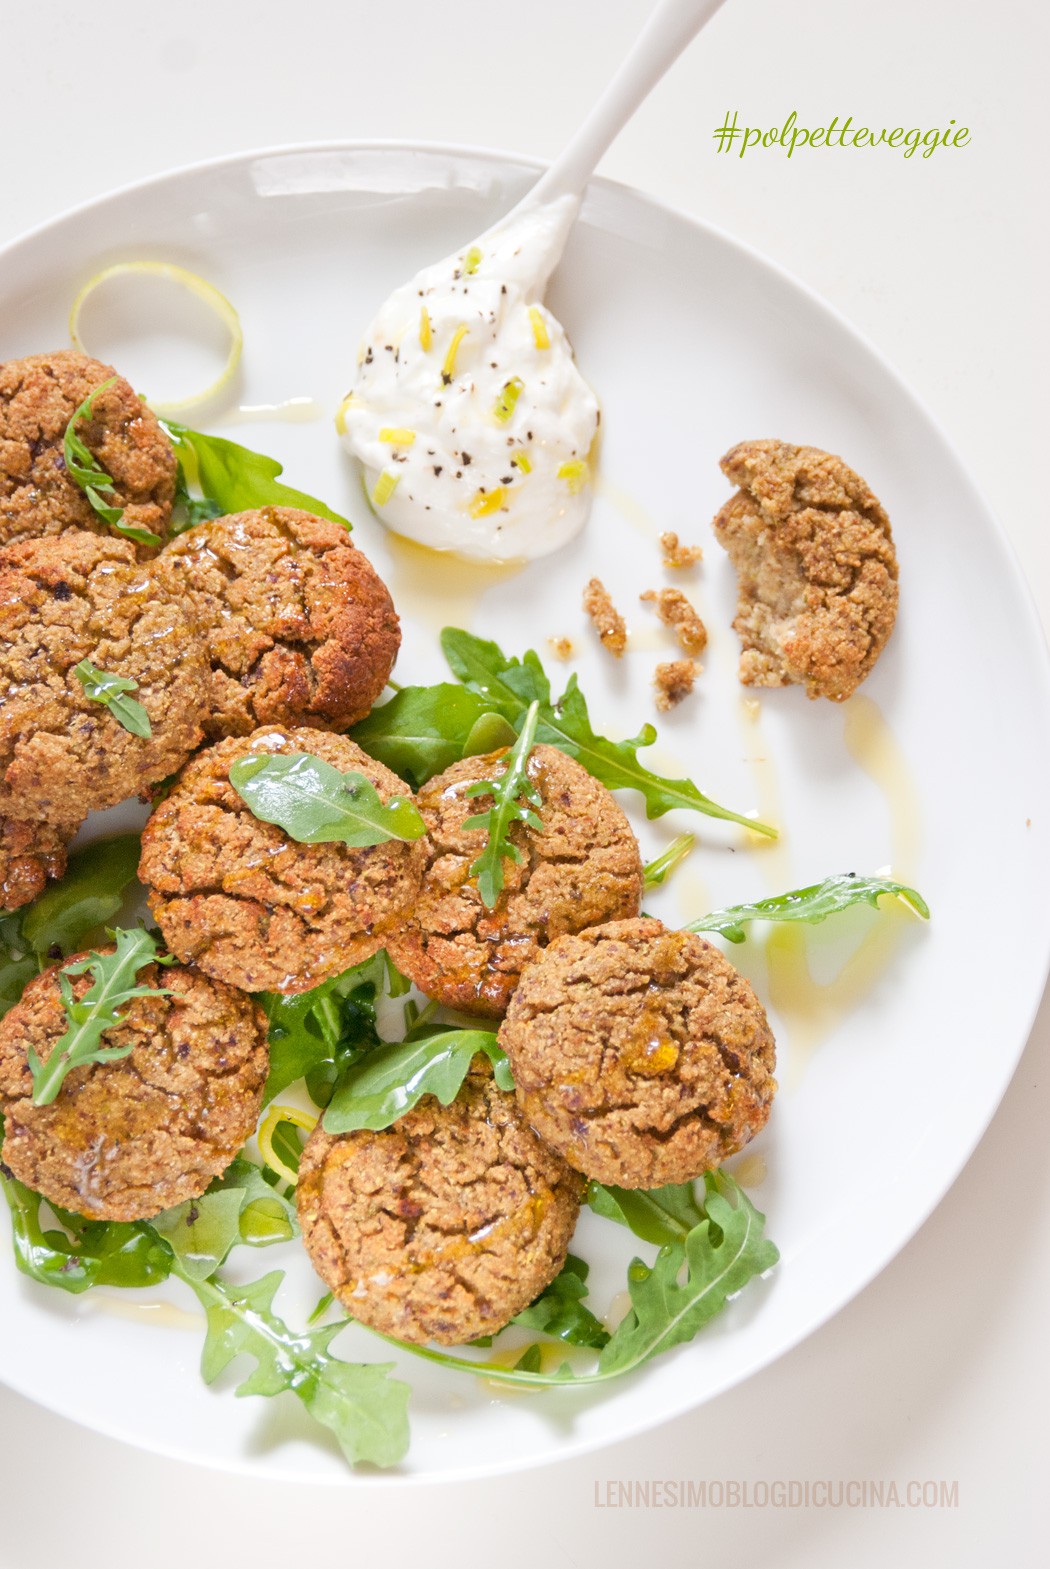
(678, 556)
(606, 619)
(673, 682)
(676, 612)
(561, 647)
(817, 571)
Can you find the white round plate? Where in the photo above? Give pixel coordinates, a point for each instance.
(891, 1072)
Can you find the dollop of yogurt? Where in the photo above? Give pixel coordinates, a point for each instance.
(468, 413)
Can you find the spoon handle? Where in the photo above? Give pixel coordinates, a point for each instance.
(673, 24)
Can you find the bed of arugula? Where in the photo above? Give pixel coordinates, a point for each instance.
(708, 1237)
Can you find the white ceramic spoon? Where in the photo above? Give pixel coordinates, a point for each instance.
(673, 25)
(468, 413)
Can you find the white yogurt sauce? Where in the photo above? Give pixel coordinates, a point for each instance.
(468, 413)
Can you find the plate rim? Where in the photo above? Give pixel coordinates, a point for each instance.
(575, 1447)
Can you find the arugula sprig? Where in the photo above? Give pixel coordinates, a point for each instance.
(360, 1403)
(318, 1034)
(89, 1019)
(423, 730)
(511, 684)
(692, 1278)
(66, 914)
(232, 478)
(317, 804)
(813, 904)
(514, 799)
(85, 470)
(658, 870)
(560, 1310)
(389, 1080)
(101, 687)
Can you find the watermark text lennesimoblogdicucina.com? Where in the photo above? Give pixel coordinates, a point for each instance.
(790, 137)
(779, 1493)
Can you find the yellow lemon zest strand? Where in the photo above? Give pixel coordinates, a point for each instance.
(540, 336)
(426, 337)
(448, 368)
(508, 398)
(340, 414)
(520, 460)
(472, 260)
(268, 1128)
(486, 502)
(397, 435)
(181, 278)
(575, 475)
(386, 484)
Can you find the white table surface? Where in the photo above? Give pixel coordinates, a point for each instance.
(939, 1369)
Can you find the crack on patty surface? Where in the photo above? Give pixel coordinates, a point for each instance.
(127, 1138)
(85, 596)
(251, 905)
(582, 869)
(639, 1053)
(301, 630)
(443, 1226)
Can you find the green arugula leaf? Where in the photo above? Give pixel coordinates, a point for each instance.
(317, 804)
(659, 870)
(360, 1403)
(17, 963)
(812, 904)
(718, 1257)
(189, 510)
(89, 895)
(491, 733)
(363, 1406)
(100, 687)
(513, 798)
(266, 1216)
(114, 975)
(234, 478)
(239, 1207)
(85, 470)
(690, 1282)
(91, 1253)
(390, 1080)
(664, 1215)
(201, 1233)
(510, 685)
(318, 1034)
(616, 765)
(559, 1311)
(423, 730)
(323, 1304)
